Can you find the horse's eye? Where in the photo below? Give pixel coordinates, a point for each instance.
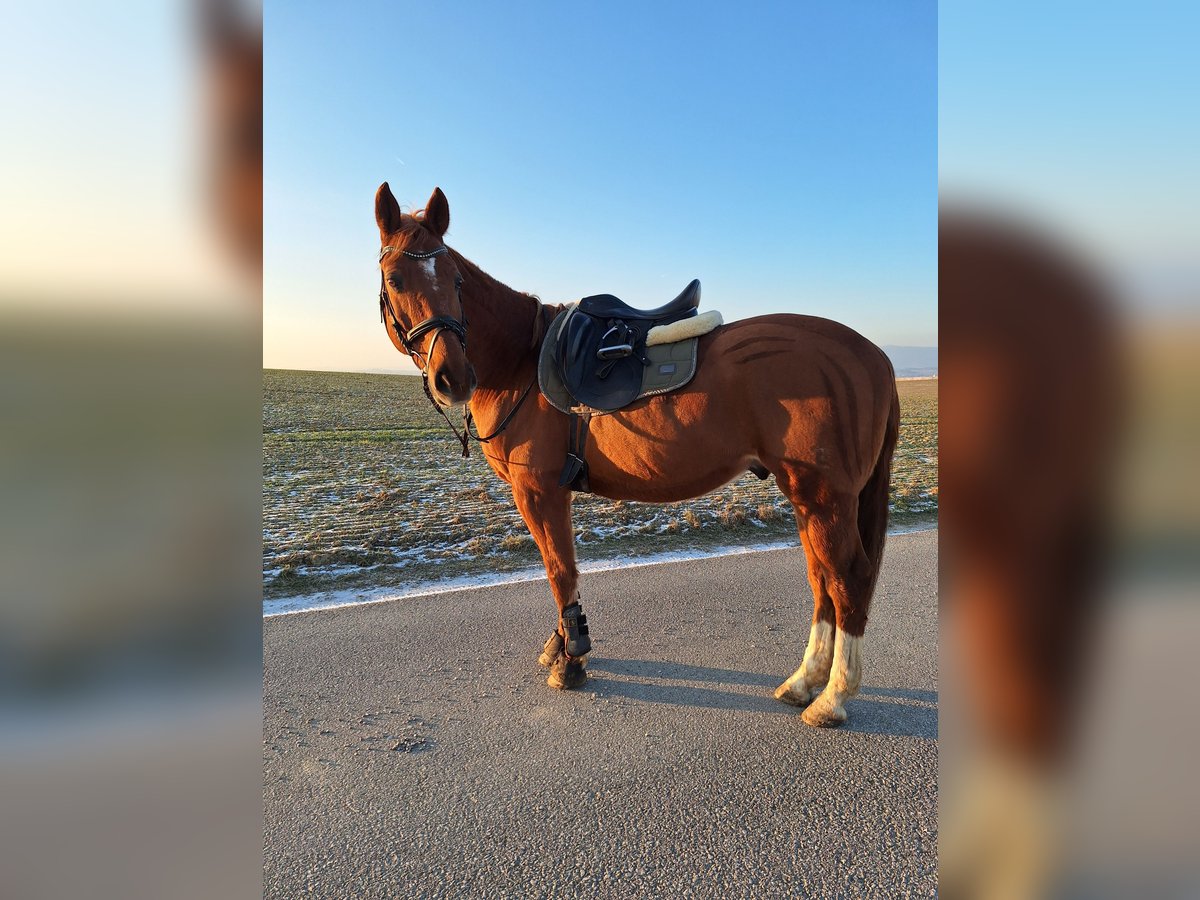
(458, 281)
(394, 281)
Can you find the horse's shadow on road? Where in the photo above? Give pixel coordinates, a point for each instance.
(876, 710)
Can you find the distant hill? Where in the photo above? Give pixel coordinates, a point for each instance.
(913, 362)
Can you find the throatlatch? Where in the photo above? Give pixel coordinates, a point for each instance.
(575, 631)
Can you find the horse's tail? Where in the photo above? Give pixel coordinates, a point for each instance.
(873, 498)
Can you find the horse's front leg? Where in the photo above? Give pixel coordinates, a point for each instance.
(547, 513)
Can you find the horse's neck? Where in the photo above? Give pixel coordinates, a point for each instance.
(502, 324)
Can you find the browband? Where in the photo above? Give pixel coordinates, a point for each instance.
(428, 254)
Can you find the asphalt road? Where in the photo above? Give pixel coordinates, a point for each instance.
(413, 749)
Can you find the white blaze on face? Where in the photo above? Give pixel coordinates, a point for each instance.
(430, 267)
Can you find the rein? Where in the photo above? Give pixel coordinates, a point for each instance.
(438, 325)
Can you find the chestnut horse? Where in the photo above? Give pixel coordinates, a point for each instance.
(803, 398)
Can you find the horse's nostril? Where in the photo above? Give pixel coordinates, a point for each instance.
(442, 383)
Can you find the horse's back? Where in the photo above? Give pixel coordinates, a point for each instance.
(790, 349)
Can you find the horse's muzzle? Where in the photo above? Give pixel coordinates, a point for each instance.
(450, 389)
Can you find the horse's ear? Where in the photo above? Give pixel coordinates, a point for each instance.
(387, 211)
(437, 212)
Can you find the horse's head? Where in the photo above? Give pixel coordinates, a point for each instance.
(420, 299)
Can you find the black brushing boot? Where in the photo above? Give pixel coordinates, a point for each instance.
(566, 670)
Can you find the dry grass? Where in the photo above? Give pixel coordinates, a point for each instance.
(512, 542)
(767, 512)
(732, 516)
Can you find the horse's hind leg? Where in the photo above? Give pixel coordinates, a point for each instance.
(808, 680)
(833, 537)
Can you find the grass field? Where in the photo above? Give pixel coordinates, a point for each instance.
(364, 486)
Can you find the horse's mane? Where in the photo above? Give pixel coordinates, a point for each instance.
(412, 226)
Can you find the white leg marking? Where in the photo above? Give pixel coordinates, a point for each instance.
(807, 681)
(844, 679)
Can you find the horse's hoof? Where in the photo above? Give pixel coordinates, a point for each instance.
(794, 695)
(824, 713)
(566, 675)
(547, 661)
(552, 650)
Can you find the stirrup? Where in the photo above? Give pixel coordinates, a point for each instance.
(575, 470)
(575, 631)
(574, 473)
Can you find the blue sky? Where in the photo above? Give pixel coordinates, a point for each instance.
(785, 154)
(1078, 112)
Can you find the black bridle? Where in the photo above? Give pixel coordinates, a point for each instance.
(438, 325)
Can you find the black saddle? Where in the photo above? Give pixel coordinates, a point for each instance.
(606, 306)
(601, 346)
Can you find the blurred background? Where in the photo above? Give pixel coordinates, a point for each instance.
(130, 645)
(1069, 327)
(130, 333)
